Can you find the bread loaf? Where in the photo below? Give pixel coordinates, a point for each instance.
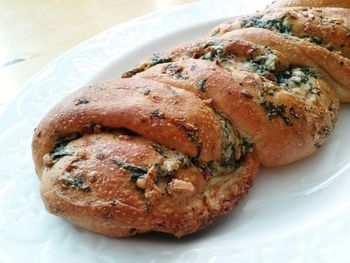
(177, 141)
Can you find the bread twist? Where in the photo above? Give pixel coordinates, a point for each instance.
(178, 140)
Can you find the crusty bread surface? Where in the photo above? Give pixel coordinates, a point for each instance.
(177, 141)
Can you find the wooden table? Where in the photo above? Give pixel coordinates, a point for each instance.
(34, 32)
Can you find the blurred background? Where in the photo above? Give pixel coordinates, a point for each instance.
(34, 32)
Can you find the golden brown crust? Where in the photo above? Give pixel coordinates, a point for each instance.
(178, 141)
(237, 95)
(326, 27)
(319, 34)
(111, 204)
(333, 68)
(229, 78)
(100, 176)
(310, 3)
(145, 107)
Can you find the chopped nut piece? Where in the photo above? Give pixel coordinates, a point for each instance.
(48, 162)
(179, 185)
(141, 183)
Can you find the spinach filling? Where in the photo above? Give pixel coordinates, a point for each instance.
(297, 77)
(231, 153)
(228, 155)
(233, 148)
(155, 59)
(168, 168)
(201, 85)
(246, 145)
(175, 71)
(276, 110)
(278, 24)
(192, 136)
(157, 114)
(314, 40)
(263, 64)
(282, 26)
(76, 182)
(215, 52)
(60, 149)
(325, 132)
(134, 170)
(158, 59)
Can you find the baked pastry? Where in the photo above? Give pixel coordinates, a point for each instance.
(318, 35)
(178, 140)
(159, 159)
(310, 3)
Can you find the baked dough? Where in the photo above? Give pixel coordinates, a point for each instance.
(177, 141)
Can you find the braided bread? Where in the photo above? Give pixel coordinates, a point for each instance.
(177, 141)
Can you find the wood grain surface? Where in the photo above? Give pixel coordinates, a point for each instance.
(34, 32)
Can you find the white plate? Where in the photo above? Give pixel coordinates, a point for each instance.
(298, 213)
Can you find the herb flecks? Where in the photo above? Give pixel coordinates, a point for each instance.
(283, 26)
(314, 40)
(175, 71)
(134, 170)
(60, 149)
(114, 202)
(230, 140)
(277, 110)
(191, 130)
(159, 149)
(157, 114)
(76, 182)
(293, 113)
(215, 52)
(81, 101)
(264, 63)
(279, 24)
(192, 136)
(317, 145)
(296, 78)
(59, 210)
(146, 91)
(231, 151)
(246, 145)
(201, 85)
(158, 59)
(59, 152)
(325, 132)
